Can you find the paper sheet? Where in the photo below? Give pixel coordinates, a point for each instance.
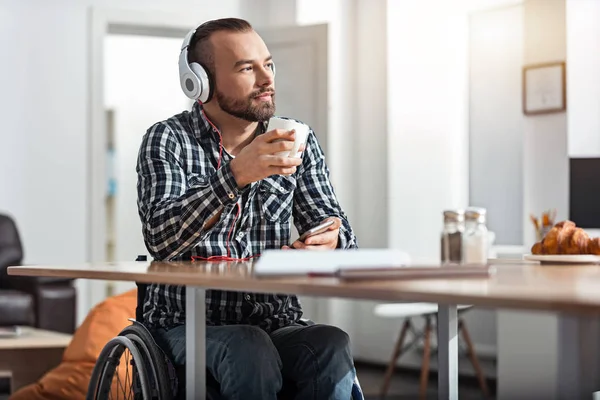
(302, 262)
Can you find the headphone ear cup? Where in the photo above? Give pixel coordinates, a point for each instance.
(190, 84)
(205, 93)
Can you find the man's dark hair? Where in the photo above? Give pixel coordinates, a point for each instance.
(201, 50)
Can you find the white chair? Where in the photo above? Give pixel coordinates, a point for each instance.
(428, 311)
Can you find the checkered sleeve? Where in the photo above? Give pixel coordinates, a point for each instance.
(174, 207)
(314, 197)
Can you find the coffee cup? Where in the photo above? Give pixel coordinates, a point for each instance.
(289, 124)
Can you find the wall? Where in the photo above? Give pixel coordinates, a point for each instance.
(427, 153)
(428, 125)
(270, 13)
(496, 133)
(528, 341)
(496, 128)
(139, 97)
(428, 121)
(43, 156)
(341, 135)
(545, 159)
(360, 125)
(583, 79)
(376, 127)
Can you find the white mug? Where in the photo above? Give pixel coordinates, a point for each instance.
(288, 124)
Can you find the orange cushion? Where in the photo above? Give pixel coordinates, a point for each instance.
(70, 379)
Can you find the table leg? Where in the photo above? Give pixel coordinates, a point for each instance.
(195, 337)
(447, 329)
(578, 357)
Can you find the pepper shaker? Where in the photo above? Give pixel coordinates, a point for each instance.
(452, 237)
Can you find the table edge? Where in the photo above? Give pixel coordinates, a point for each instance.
(305, 289)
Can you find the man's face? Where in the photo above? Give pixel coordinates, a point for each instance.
(244, 79)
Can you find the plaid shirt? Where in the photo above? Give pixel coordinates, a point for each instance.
(180, 188)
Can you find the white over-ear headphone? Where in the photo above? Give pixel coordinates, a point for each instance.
(195, 80)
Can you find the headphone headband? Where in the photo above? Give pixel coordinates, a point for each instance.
(188, 39)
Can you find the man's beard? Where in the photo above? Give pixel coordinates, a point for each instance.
(246, 109)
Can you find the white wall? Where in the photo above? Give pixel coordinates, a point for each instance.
(139, 98)
(359, 126)
(496, 131)
(427, 159)
(428, 121)
(528, 341)
(44, 151)
(496, 128)
(545, 158)
(270, 13)
(374, 102)
(339, 15)
(583, 79)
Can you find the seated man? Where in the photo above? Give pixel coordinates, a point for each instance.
(210, 185)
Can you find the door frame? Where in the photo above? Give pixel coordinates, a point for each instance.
(102, 22)
(310, 34)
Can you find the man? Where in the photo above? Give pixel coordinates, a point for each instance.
(210, 185)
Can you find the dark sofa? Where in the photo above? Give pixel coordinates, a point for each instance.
(44, 303)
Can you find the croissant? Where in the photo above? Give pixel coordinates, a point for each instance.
(566, 238)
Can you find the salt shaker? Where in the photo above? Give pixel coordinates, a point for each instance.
(475, 240)
(452, 237)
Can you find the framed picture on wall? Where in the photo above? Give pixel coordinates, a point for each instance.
(544, 88)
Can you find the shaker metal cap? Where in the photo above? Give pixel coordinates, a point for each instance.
(454, 215)
(475, 214)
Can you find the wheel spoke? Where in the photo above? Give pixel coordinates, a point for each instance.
(127, 384)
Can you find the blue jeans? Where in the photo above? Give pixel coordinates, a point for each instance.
(310, 362)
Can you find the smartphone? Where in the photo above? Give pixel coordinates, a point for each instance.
(316, 230)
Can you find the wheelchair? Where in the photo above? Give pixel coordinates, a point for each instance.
(149, 372)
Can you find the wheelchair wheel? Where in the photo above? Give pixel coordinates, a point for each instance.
(163, 387)
(149, 378)
(101, 382)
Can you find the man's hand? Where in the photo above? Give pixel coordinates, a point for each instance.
(323, 241)
(257, 160)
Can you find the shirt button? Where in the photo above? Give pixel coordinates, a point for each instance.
(231, 195)
(247, 297)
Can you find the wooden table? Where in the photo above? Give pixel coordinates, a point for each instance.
(572, 291)
(26, 358)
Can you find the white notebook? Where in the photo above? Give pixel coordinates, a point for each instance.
(303, 262)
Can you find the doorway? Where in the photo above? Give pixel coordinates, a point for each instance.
(133, 84)
(140, 89)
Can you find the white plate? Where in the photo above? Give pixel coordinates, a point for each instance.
(562, 259)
